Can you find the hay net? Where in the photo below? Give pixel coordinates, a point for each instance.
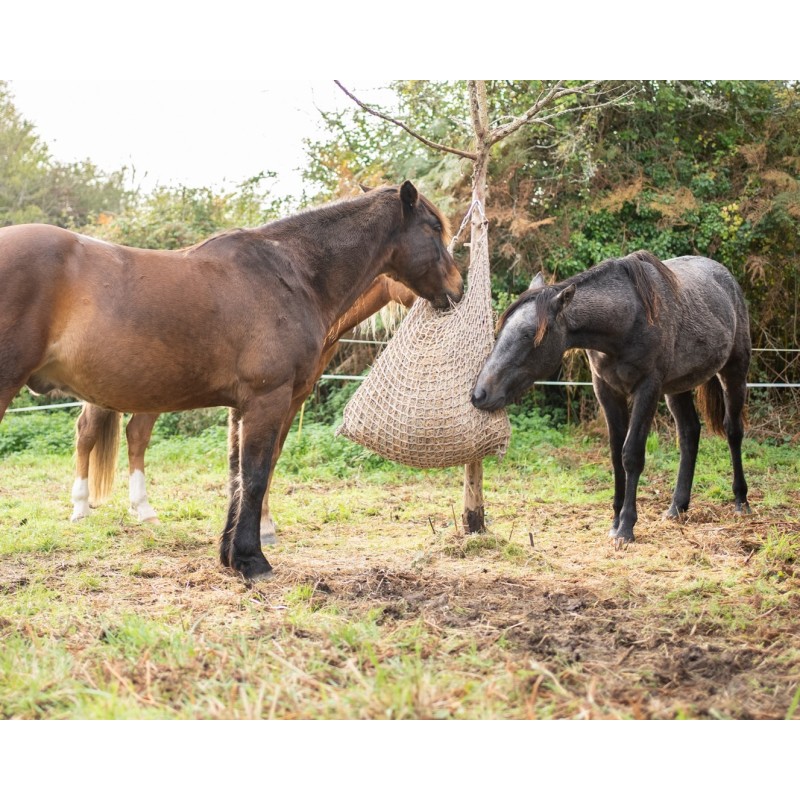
(414, 406)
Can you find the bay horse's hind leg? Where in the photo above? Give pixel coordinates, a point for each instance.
(87, 429)
(682, 408)
(734, 385)
(138, 433)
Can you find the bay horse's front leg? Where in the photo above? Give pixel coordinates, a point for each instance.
(259, 435)
(615, 409)
(234, 438)
(138, 433)
(682, 408)
(268, 527)
(645, 402)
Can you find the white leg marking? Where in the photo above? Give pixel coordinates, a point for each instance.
(80, 499)
(139, 506)
(268, 530)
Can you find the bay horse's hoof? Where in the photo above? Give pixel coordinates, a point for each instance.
(268, 531)
(253, 568)
(743, 508)
(79, 513)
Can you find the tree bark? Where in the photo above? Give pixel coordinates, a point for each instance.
(473, 519)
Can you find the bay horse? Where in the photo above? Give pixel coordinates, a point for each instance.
(649, 329)
(239, 320)
(98, 429)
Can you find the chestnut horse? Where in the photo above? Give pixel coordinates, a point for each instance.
(239, 320)
(649, 329)
(98, 429)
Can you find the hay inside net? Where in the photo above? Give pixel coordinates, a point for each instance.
(414, 406)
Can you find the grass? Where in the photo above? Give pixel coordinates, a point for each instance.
(382, 609)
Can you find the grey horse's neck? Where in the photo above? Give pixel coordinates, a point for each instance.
(604, 309)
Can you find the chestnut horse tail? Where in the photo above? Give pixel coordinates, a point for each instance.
(103, 458)
(711, 403)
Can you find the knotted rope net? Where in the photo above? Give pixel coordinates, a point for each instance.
(414, 406)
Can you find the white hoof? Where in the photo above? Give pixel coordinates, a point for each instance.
(268, 531)
(144, 512)
(80, 511)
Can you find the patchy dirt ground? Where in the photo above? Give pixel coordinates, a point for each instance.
(381, 608)
(655, 631)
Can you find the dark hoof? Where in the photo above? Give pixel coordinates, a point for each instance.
(673, 512)
(622, 540)
(225, 552)
(743, 508)
(253, 568)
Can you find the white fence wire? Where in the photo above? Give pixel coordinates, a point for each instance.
(333, 377)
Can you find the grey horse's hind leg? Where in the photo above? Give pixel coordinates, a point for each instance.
(682, 408)
(733, 379)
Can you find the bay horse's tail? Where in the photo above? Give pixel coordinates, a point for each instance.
(711, 403)
(103, 458)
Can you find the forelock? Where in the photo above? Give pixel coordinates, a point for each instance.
(536, 301)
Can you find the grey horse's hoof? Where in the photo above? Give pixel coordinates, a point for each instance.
(673, 512)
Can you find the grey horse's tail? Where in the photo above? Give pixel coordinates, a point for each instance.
(103, 458)
(711, 403)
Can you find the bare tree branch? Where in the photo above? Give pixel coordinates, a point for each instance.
(590, 107)
(428, 142)
(556, 91)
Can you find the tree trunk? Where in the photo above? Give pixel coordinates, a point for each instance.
(473, 519)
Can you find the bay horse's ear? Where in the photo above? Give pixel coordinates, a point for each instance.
(562, 299)
(364, 189)
(408, 194)
(537, 282)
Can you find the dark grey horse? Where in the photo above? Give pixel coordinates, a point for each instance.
(649, 329)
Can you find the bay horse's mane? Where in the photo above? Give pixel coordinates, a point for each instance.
(332, 211)
(634, 266)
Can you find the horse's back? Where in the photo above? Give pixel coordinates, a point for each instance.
(700, 276)
(714, 326)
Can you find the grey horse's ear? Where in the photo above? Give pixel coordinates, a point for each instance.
(562, 299)
(537, 282)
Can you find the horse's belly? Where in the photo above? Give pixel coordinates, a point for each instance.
(119, 380)
(689, 374)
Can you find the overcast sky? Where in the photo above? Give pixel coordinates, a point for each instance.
(196, 133)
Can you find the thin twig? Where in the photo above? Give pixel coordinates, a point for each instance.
(543, 101)
(423, 139)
